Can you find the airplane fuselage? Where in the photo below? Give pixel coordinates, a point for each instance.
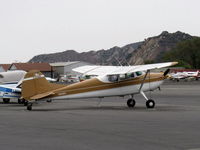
(9, 91)
(101, 87)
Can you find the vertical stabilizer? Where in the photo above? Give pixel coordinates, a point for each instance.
(35, 83)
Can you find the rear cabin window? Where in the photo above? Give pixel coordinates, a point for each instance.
(113, 78)
(130, 75)
(121, 77)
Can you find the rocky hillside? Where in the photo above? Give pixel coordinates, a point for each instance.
(152, 49)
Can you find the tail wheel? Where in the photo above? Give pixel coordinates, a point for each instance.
(6, 100)
(20, 101)
(150, 103)
(29, 106)
(131, 102)
(25, 103)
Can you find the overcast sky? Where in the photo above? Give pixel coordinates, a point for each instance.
(32, 27)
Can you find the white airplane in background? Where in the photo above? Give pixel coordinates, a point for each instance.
(192, 74)
(184, 75)
(10, 91)
(177, 76)
(10, 85)
(111, 81)
(11, 77)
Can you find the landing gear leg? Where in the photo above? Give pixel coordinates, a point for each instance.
(149, 102)
(131, 102)
(29, 106)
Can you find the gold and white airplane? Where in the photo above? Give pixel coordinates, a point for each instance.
(110, 81)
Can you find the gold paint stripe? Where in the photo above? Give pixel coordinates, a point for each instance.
(102, 86)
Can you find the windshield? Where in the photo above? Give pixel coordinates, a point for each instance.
(138, 73)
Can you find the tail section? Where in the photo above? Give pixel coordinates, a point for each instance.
(35, 86)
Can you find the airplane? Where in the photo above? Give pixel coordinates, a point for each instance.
(10, 87)
(177, 76)
(11, 77)
(192, 74)
(184, 75)
(10, 91)
(111, 81)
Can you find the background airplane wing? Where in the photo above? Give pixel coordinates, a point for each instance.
(109, 70)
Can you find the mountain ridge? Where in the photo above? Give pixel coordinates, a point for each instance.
(151, 49)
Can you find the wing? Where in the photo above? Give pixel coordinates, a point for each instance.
(109, 70)
(96, 70)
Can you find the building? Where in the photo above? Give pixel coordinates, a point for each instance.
(65, 68)
(45, 68)
(4, 67)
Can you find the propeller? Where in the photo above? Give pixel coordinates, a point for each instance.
(166, 72)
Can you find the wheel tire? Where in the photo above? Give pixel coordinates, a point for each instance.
(6, 100)
(150, 103)
(25, 103)
(131, 102)
(29, 107)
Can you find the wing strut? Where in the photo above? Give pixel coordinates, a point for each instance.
(143, 81)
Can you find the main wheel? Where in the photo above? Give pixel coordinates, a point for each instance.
(150, 103)
(25, 103)
(29, 106)
(131, 102)
(6, 100)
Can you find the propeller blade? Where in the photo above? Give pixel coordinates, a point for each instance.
(166, 72)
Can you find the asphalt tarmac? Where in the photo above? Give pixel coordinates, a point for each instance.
(174, 124)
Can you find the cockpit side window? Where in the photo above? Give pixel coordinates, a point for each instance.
(130, 75)
(121, 77)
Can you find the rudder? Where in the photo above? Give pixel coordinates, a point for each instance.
(34, 83)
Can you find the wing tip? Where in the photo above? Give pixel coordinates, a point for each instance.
(174, 63)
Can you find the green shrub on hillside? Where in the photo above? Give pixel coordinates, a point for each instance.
(187, 53)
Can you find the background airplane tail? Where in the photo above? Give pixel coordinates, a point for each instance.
(35, 83)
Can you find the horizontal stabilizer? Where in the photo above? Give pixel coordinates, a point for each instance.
(43, 95)
(35, 86)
